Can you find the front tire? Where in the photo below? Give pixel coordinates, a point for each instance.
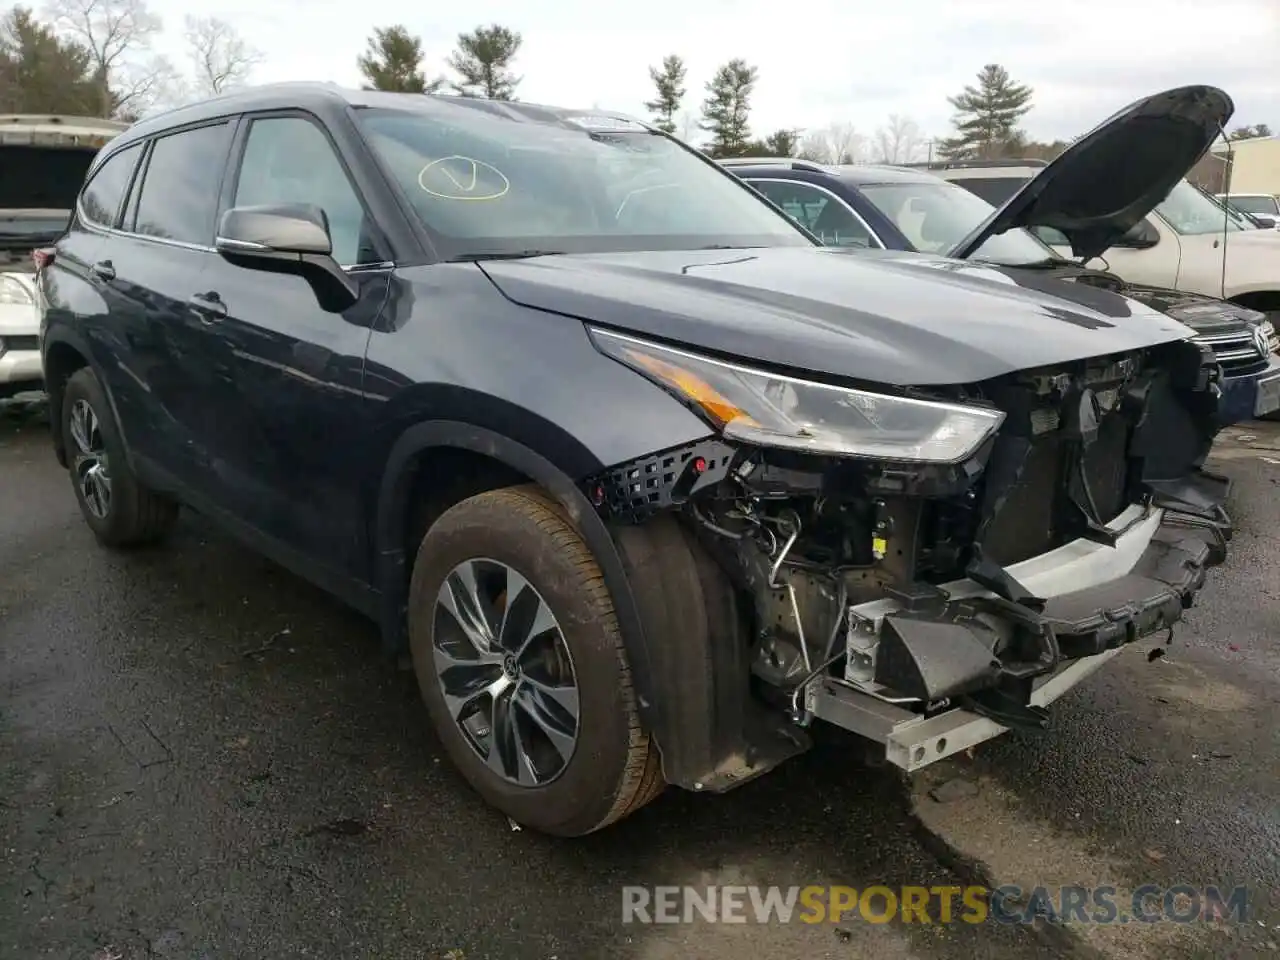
(118, 508)
(520, 661)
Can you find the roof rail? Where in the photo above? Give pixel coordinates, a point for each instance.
(976, 164)
(794, 163)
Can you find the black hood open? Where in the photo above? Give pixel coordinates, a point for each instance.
(1116, 174)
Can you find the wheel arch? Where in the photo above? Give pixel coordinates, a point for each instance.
(64, 354)
(510, 462)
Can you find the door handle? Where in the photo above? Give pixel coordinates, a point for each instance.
(209, 306)
(103, 270)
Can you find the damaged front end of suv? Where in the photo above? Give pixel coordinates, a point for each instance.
(930, 567)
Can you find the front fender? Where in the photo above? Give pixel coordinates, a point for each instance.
(392, 510)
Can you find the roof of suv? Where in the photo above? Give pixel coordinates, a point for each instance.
(854, 173)
(314, 95)
(1004, 171)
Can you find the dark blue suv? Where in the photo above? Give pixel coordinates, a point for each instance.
(868, 206)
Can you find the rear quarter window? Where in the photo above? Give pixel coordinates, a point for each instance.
(100, 201)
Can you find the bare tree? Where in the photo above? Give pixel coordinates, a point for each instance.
(143, 86)
(836, 143)
(221, 59)
(898, 140)
(115, 33)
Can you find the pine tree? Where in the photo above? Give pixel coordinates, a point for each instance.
(669, 82)
(782, 143)
(39, 73)
(726, 110)
(986, 119)
(393, 62)
(483, 61)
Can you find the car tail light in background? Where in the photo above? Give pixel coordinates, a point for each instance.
(43, 257)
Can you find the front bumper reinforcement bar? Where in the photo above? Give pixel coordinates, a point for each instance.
(1097, 598)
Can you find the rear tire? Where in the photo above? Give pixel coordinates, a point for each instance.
(519, 550)
(118, 508)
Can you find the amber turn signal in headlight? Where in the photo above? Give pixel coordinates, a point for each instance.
(771, 410)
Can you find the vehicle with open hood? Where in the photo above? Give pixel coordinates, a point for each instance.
(644, 480)
(868, 205)
(44, 159)
(1168, 233)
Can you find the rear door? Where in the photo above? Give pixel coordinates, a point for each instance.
(290, 451)
(153, 265)
(76, 295)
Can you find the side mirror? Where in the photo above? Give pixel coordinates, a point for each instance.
(1141, 236)
(1266, 223)
(287, 238)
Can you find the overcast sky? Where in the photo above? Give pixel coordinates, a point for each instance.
(820, 60)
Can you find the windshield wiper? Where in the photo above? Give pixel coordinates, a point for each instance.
(509, 255)
(1048, 263)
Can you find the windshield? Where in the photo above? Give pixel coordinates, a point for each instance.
(486, 185)
(1192, 213)
(1267, 206)
(935, 217)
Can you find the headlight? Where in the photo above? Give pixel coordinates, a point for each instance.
(770, 410)
(12, 292)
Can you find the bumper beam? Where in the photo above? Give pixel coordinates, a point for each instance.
(1093, 607)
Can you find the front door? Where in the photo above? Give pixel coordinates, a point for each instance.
(296, 424)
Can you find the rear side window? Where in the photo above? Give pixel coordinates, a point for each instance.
(180, 186)
(100, 201)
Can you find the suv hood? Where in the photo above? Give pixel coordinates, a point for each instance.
(1116, 174)
(878, 318)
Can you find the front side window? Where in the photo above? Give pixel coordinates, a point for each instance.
(290, 160)
(935, 216)
(180, 186)
(100, 201)
(818, 211)
(486, 184)
(1191, 213)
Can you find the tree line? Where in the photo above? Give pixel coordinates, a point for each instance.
(97, 58)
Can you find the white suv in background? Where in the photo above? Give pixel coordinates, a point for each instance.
(1181, 244)
(44, 159)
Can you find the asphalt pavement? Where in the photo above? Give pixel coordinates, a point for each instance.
(203, 757)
